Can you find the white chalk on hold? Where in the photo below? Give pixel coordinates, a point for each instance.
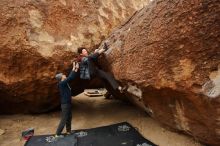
(149, 110)
(135, 91)
(2, 132)
(212, 88)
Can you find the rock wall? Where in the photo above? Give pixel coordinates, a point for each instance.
(168, 55)
(40, 37)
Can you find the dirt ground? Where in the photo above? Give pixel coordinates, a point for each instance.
(89, 112)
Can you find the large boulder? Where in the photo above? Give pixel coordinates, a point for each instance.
(168, 55)
(40, 37)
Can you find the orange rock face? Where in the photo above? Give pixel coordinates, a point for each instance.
(39, 38)
(168, 54)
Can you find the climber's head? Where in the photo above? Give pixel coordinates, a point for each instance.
(60, 76)
(83, 51)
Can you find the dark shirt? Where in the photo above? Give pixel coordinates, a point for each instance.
(64, 88)
(87, 66)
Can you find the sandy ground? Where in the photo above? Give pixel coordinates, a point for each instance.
(89, 112)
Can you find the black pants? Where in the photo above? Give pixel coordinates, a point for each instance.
(66, 118)
(108, 77)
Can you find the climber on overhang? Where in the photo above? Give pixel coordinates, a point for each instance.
(89, 70)
(65, 93)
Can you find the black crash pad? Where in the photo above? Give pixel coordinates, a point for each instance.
(121, 134)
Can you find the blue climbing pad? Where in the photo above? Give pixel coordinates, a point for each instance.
(121, 134)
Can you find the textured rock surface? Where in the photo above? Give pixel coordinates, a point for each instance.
(37, 38)
(2, 132)
(168, 54)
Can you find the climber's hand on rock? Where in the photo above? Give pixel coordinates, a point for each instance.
(105, 46)
(96, 50)
(74, 65)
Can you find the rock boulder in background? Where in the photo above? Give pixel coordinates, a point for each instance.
(40, 37)
(168, 54)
